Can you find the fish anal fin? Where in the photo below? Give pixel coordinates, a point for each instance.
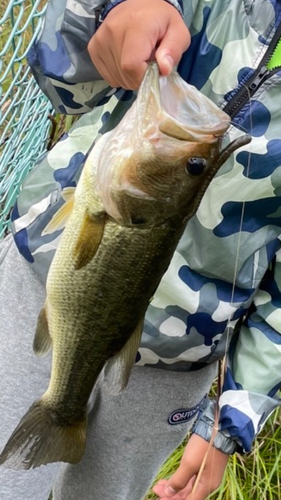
(60, 218)
(42, 341)
(117, 370)
(89, 238)
(39, 440)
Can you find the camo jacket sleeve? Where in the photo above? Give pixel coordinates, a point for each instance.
(59, 58)
(253, 373)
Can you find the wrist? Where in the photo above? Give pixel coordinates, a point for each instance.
(204, 426)
(108, 6)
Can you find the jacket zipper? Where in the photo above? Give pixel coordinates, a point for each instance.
(260, 75)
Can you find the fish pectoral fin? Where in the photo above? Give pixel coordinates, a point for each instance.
(89, 238)
(42, 341)
(40, 439)
(117, 370)
(60, 218)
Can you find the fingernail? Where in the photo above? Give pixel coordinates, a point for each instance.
(169, 491)
(169, 62)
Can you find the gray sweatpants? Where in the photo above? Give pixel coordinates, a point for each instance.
(129, 436)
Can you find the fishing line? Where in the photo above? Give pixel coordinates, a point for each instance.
(222, 364)
(235, 273)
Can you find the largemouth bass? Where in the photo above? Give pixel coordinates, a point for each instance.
(140, 185)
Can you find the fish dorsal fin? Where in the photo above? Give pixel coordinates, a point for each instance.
(89, 238)
(118, 368)
(42, 341)
(60, 218)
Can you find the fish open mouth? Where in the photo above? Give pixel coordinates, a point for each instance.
(178, 109)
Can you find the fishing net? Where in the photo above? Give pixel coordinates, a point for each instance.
(24, 110)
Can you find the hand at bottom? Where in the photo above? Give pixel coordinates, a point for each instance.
(180, 485)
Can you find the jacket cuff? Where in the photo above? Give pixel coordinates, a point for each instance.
(108, 7)
(204, 426)
(113, 3)
(175, 4)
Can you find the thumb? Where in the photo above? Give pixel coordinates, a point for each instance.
(173, 44)
(179, 480)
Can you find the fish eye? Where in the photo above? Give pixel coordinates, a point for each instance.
(138, 220)
(195, 166)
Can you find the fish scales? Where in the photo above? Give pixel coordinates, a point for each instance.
(118, 275)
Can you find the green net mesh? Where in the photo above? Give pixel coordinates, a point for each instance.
(24, 110)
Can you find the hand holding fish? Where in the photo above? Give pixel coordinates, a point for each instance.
(134, 33)
(181, 486)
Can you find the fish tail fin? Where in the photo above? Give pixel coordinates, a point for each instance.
(39, 439)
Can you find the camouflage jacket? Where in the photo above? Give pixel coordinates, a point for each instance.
(222, 289)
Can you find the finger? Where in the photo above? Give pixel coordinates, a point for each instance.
(177, 496)
(203, 489)
(211, 477)
(161, 482)
(136, 52)
(118, 75)
(174, 43)
(190, 464)
(113, 64)
(159, 489)
(182, 479)
(104, 62)
(201, 492)
(107, 73)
